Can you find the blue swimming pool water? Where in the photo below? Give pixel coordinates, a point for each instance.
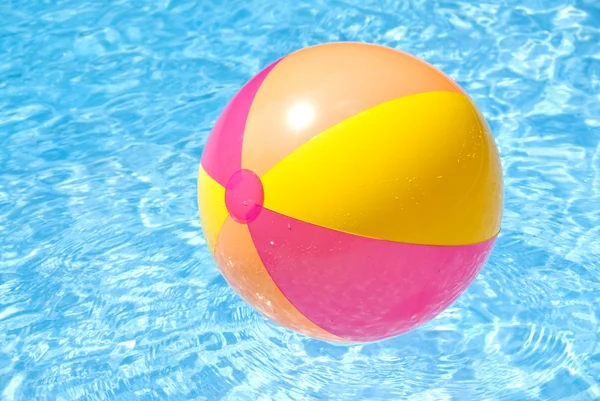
(107, 291)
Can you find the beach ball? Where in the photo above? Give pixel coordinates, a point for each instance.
(350, 192)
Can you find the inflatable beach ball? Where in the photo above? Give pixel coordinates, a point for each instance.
(350, 192)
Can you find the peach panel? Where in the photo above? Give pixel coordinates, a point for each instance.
(243, 269)
(317, 87)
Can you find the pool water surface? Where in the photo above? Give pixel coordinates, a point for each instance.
(107, 288)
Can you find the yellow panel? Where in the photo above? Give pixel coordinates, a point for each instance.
(419, 169)
(211, 203)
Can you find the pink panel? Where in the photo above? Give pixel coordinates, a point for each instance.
(359, 288)
(222, 155)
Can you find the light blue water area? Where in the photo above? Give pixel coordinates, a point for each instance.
(107, 290)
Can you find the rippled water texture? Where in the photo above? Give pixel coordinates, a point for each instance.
(107, 291)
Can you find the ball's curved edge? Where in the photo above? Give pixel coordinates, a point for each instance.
(222, 154)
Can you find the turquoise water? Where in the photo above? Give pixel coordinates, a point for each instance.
(107, 291)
